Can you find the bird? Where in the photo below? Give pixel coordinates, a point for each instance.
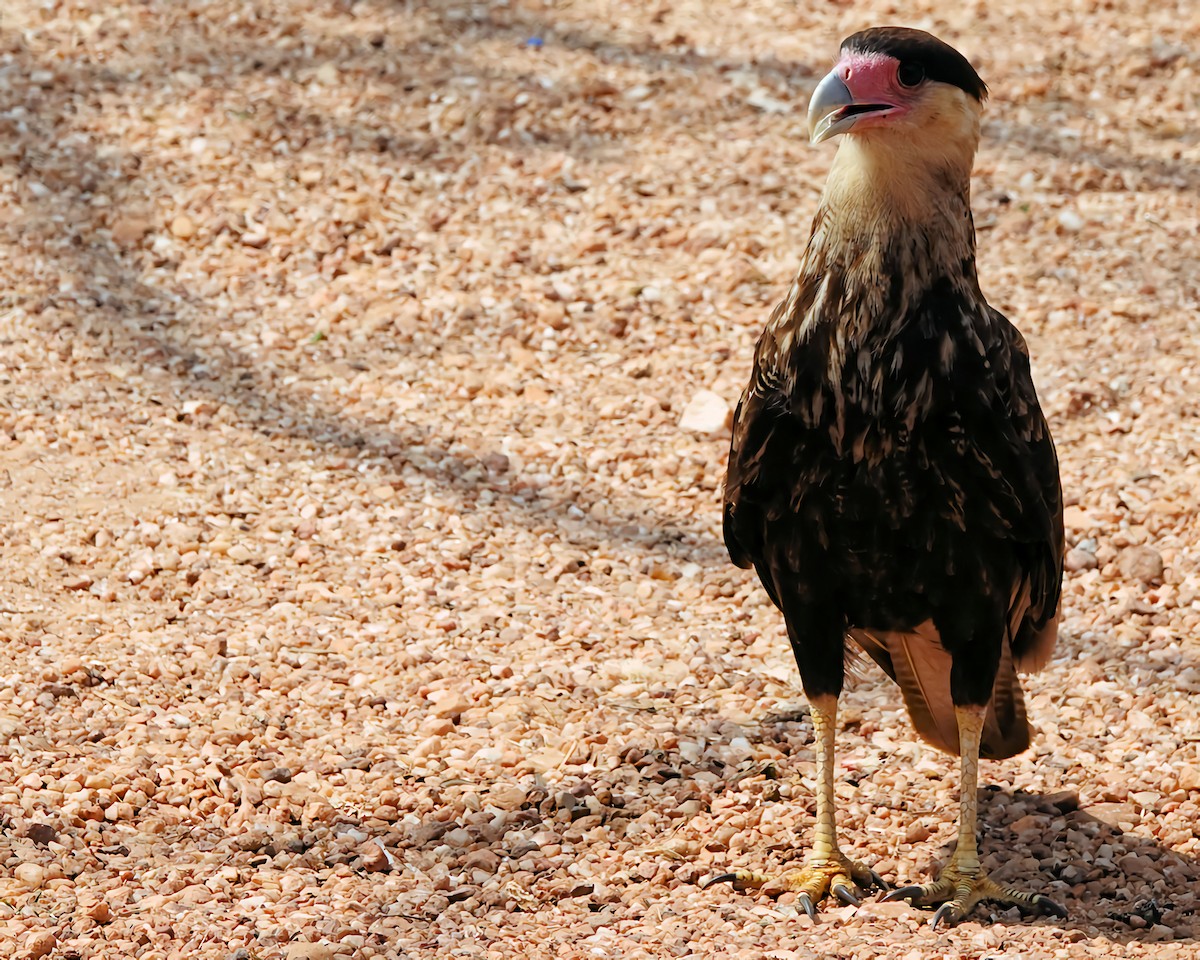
(891, 476)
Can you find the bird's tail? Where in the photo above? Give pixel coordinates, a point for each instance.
(920, 665)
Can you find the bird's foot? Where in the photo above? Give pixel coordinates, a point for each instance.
(836, 874)
(956, 893)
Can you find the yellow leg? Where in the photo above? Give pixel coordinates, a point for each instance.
(827, 869)
(962, 883)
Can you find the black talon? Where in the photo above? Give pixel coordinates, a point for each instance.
(720, 878)
(805, 901)
(878, 880)
(842, 893)
(902, 893)
(944, 911)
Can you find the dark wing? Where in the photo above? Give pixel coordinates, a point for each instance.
(763, 407)
(1033, 474)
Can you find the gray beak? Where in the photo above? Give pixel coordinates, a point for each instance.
(826, 116)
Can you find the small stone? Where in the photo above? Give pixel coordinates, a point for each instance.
(496, 463)
(41, 833)
(438, 726)
(507, 796)
(452, 705)
(892, 910)
(1077, 559)
(183, 227)
(1189, 776)
(761, 99)
(430, 832)
(1070, 221)
(1031, 823)
(1146, 799)
(484, 859)
(1141, 563)
(40, 945)
(100, 911)
(427, 747)
(917, 833)
(30, 874)
(706, 413)
(458, 837)
(309, 951)
(553, 315)
(194, 893)
(1064, 801)
(1114, 813)
(1075, 518)
(128, 231)
(373, 856)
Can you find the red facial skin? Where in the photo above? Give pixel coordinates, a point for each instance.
(871, 78)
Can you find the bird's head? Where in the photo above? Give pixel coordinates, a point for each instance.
(901, 90)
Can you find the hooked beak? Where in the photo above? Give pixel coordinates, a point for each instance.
(833, 109)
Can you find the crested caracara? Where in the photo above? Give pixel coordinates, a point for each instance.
(891, 477)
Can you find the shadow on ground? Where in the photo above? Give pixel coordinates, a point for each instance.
(46, 145)
(1115, 882)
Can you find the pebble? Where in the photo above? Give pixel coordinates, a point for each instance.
(40, 945)
(309, 951)
(706, 413)
(486, 860)
(128, 231)
(1070, 221)
(183, 227)
(1077, 559)
(41, 833)
(917, 833)
(439, 726)
(373, 856)
(1188, 775)
(506, 796)
(31, 874)
(453, 704)
(1028, 825)
(1141, 563)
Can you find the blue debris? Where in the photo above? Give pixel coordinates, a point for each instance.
(534, 42)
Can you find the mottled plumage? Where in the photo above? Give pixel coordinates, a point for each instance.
(890, 468)
(891, 476)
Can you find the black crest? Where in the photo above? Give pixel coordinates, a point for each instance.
(939, 60)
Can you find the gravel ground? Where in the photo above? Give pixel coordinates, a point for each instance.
(362, 585)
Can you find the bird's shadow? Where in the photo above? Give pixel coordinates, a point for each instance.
(1114, 881)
